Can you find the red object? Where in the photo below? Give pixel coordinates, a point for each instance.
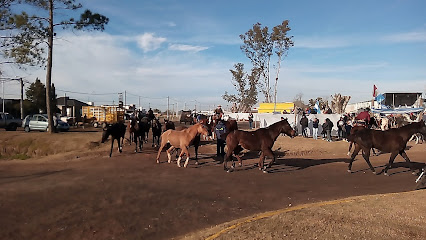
(363, 116)
(374, 91)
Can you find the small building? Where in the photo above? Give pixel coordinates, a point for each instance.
(278, 107)
(394, 99)
(71, 107)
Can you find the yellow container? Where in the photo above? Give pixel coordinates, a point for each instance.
(280, 107)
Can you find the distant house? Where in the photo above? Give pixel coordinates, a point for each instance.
(400, 99)
(70, 107)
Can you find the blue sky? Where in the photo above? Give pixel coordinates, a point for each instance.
(184, 50)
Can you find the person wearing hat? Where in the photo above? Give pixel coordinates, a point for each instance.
(218, 112)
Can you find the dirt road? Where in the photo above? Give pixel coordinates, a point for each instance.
(84, 194)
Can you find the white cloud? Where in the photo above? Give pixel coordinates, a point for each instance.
(415, 36)
(186, 48)
(148, 42)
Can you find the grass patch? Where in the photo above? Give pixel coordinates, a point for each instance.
(19, 156)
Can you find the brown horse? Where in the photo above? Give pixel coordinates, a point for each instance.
(261, 139)
(180, 139)
(392, 141)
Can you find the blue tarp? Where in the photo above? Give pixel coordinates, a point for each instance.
(387, 111)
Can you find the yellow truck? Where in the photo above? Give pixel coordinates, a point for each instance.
(98, 115)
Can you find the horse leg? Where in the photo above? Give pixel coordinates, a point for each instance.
(366, 155)
(140, 145)
(389, 165)
(159, 151)
(169, 155)
(261, 160)
(187, 157)
(271, 154)
(355, 152)
(119, 145)
(350, 146)
(404, 155)
(112, 145)
(180, 157)
(136, 143)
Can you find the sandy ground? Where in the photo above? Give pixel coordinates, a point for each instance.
(66, 187)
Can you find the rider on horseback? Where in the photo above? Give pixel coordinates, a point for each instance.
(218, 112)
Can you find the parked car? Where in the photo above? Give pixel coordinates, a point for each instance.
(8, 122)
(39, 122)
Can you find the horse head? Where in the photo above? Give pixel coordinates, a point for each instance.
(422, 127)
(287, 129)
(106, 131)
(202, 129)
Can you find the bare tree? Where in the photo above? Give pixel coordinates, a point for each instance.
(259, 45)
(246, 88)
(339, 103)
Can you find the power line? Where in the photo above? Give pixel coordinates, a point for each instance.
(83, 93)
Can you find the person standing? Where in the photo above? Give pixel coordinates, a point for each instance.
(315, 124)
(220, 129)
(328, 127)
(250, 119)
(340, 128)
(304, 123)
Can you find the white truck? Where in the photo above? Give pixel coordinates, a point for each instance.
(8, 122)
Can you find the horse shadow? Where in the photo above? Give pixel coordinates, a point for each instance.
(12, 179)
(295, 164)
(403, 165)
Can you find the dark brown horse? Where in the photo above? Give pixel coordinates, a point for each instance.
(393, 141)
(262, 139)
(117, 132)
(180, 139)
(156, 132)
(137, 130)
(355, 129)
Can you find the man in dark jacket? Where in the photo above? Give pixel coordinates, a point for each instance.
(304, 123)
(220, 129)
(328, 127)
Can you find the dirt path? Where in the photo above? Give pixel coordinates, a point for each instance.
(86, 195)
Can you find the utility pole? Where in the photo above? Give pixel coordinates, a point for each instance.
(2, 86)
(21, 102)
(125, 98)
(177, 108)
(167, 107)
(139, 102)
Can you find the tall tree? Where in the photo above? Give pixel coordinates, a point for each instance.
(246, 86)
(28, 34)
(36, 94)
(259, 45)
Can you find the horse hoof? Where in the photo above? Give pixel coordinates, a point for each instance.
(265, 171)
(375, 173)
(414, 173)
(229, 170)
(349, 171)
(240, 164)
(196, 163)
(158, 161)
(349, 153)
(386, 174)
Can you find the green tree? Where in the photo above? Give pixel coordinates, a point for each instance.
(259, 45)
(36, 95)
(27, 34)
(246, 86)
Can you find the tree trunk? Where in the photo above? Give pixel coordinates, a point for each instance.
(49, 70)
